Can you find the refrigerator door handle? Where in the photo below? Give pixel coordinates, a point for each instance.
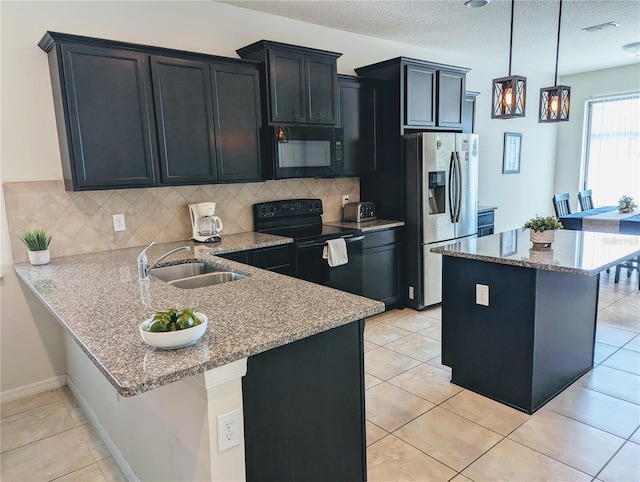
(452, 187)
(458, 187)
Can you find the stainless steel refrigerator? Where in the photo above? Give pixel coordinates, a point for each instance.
(441, 205)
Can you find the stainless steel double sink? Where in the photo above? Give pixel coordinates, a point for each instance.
(194, 275)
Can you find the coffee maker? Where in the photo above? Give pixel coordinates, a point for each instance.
(205, 225)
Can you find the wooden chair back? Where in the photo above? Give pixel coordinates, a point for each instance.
(585, 200)
(561, 204)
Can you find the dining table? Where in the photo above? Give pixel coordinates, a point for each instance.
(603, 219)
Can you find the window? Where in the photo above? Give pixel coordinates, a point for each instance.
(611, 165)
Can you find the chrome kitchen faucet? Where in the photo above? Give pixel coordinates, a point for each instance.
(143, 263)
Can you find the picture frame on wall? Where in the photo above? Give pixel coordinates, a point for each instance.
(512, 153)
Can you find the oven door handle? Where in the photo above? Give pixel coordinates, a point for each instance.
(347, 239)
(351, 239)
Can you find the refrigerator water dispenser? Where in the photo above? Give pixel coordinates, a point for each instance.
(436, 192)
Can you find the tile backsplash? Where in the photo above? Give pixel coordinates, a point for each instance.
(81, 222)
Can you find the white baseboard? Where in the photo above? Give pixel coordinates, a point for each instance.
(33, 389)
(126, 469)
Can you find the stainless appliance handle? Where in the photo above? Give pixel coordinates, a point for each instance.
(452, 207)
(458, 187)
(351, 239)
(347, 239)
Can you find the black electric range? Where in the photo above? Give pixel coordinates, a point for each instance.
(301, 219)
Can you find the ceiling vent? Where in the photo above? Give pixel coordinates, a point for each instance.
(602, 26)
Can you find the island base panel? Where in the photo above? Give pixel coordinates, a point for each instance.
(304, 409)
(534, 339)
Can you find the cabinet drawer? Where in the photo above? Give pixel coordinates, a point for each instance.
(239, 256)
(381, 238)
(485, 218)
(485, 230)
(269, 258)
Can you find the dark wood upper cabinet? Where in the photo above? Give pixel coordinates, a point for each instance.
(428, 96)
(133, 115)
(420, 104)
(451, 95)
(183, 100)
(359, 122)
(301, 83)
(287, 87)
(237, 121)
(104, 114)
(322, 89)
(469, 112)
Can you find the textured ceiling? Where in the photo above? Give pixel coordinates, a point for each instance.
(450, 27)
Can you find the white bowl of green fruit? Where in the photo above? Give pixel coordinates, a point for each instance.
(170, 329)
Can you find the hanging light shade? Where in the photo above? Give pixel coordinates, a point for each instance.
(509, 94)
(554, 101)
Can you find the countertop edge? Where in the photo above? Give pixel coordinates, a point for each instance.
(129, 386)
(368, 226)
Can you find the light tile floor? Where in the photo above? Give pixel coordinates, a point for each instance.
(420, 427)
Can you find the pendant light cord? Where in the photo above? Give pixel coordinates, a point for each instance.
(513, 2)
(555, 78)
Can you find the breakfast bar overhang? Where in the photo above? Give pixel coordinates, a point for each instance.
(518, 323)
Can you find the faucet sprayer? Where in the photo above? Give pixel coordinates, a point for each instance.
(143, 263)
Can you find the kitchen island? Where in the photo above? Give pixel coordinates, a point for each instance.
(272, 344)
(518, 323)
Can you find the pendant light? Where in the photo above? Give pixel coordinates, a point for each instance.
(554, 101)
(508, 98)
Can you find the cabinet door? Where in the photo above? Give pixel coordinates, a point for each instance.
(304, 416)
(469, 114)
(275, 258)
(287, 87)
(382, 273)
(109, 117)
(237, 121)
(357, 117)
(321, 81)
(451, 95)
(182, 94)
(420, 96)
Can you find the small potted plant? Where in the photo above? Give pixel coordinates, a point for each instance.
(626, 204)
(37, 241)
(542, 229)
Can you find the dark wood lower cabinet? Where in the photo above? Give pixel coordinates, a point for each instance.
(304, 415)
(486, 218)
(381, 266)
(274, 258)
(534, 339)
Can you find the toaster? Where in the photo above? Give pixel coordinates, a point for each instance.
(359, 212)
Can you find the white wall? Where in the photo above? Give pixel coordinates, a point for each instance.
(584, 86)
(31, 347)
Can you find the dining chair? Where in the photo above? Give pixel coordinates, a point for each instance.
(561, 204)
(630, 264)
(585, 200)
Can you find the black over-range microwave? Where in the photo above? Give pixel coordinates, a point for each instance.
(302, 152)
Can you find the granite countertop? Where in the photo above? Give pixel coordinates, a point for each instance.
(377, 225)
(579, 252)
(98, 300)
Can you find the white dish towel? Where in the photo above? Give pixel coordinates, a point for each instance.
(335, 252)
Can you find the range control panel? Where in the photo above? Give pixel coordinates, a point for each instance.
(287, 208)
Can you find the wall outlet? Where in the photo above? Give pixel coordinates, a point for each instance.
(118, 222)
(229, 430)
(411, 292)
(482, 295)
(345, 199)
